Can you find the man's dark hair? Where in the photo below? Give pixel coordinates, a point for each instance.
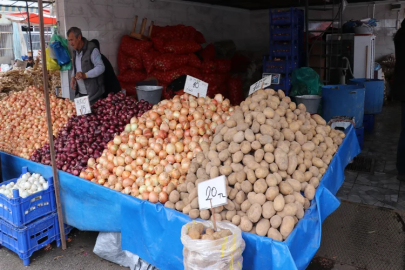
(96, 43)
(76, 31)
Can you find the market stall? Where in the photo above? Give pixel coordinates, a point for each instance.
(150, 230)
(142, 164)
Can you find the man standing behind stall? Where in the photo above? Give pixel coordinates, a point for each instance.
(88, 67)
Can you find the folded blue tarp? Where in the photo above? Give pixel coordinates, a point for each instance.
(153, 231)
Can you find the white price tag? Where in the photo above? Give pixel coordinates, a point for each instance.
(212, 191)
(195, 87)
(261, 84)
(82, 105)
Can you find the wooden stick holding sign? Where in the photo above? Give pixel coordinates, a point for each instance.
(211, 194)
(213, 217)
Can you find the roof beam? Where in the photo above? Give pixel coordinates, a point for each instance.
(33, 1)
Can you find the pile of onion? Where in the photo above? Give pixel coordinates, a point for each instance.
(153, 154)
(23, 126)
(86, 136)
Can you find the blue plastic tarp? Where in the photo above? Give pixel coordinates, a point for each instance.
(85, 206)
(153, 231)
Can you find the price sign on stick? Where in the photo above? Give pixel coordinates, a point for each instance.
(261, 84)
(195, 87)
(82, 105)
(211, 194)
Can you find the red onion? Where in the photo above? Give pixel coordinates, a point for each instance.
(84, 138)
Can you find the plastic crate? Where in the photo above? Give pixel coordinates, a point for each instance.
(285, 85)
(25, 241)
(291, 17)
(285, 50)
(360, 136)
(281, 66)
(286, 34)
(20, 211)
(368, 122)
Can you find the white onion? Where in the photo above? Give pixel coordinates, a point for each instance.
(27, 184)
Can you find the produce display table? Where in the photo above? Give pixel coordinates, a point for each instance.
(153, 231)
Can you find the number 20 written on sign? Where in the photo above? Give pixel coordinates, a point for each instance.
(212, 193)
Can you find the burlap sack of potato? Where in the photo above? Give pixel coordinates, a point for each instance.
(223, 253)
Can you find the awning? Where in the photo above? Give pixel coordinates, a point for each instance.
(33, 18)
(5, 8)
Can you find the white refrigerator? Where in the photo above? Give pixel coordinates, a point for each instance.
(364, 56)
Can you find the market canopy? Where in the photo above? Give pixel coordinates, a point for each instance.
(33, 18)
(21, 6)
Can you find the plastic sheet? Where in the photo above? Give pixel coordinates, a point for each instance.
(224, 253)
(108, 247)
(153, 231)
(81, 199)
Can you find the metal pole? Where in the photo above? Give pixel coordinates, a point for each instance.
(49, 122)
(306, 32)
(29, 26)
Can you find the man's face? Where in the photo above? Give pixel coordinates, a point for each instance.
(74, 41)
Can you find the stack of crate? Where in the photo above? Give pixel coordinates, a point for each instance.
(29, 224)
(286, 45)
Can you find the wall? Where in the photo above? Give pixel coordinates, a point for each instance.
(107, 21)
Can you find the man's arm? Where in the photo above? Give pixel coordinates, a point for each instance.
(98, 65)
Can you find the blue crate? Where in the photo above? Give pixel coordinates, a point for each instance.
(20, 211)
(25, 241)
(286, 34)
(282, 66)
(360, 136)
(285, 85)
(290, 50)
(368, 122)
(291, 17)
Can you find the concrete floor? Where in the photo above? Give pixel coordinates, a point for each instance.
(78, 256)
(380, 187)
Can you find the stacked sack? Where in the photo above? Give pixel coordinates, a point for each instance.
(130, 63)
(217, 73)
(174, 54)
(171, 53)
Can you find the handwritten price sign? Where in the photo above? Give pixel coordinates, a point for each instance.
(82, 105)
(263, 83)
(212, 192)
(195, 87)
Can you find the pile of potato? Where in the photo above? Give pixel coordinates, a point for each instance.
(198, 231)
(273, 154)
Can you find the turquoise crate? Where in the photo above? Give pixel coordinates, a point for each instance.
(20, 211)
(25, 241)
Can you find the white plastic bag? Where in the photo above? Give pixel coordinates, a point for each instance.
(5, 67)
(108, 247)
(224, 253)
